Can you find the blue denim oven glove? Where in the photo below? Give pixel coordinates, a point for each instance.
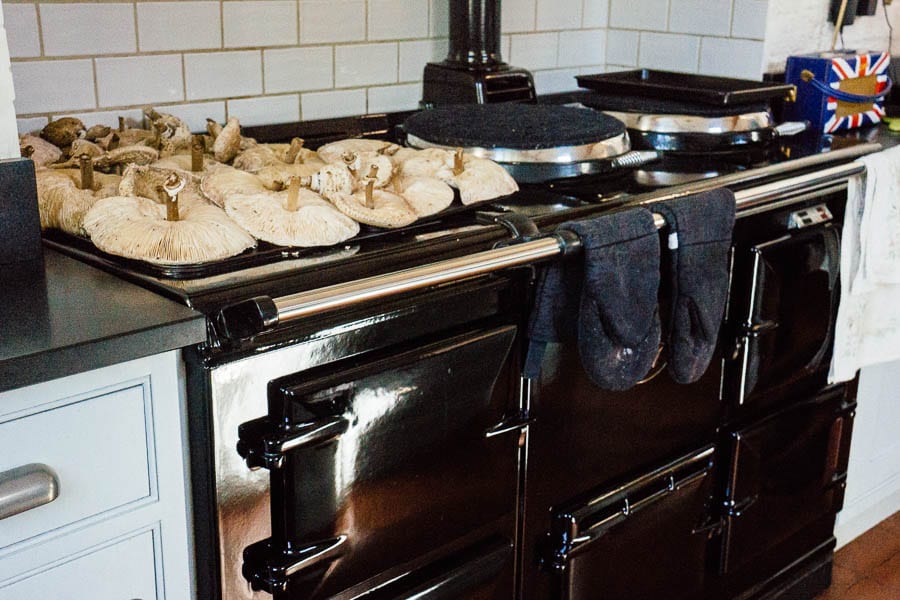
(699, 231)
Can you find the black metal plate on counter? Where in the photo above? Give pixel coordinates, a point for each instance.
(263, 254)
(686, 87)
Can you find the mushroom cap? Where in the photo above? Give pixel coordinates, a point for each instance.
(334, 152)
(221, 182)
(62, 205)
(174, 134)
(483, 179)
(388, 209)
(314, 223)
(95, 132)
(184, 162)
(80, 147)
(44, 153)
(278, 176)
(430, 162)
(228, 141)
(145, 181)
(361, 168)
(63, 131)
(333, 178)
(426, 195)
(137, 228)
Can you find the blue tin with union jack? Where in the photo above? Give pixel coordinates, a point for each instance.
(838, 90)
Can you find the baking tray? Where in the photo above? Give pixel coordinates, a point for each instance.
(720, 91)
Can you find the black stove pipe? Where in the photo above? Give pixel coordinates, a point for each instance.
(475, 34)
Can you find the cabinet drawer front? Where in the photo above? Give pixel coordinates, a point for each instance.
(97, 448)
(116, 572)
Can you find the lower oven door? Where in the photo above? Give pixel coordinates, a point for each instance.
(599, 546)
(785, 336)
(393, 474)
(786, 483)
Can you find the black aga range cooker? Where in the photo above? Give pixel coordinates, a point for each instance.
(361, 426)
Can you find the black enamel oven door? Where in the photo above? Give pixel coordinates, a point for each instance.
(599, 546)
(786, 483)
(392, 472)
(787, 330)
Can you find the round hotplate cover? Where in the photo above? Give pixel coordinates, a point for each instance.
(516, 126)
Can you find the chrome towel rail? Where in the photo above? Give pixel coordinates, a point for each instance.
(249, 317)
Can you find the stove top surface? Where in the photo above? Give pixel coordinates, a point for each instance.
(287, 270)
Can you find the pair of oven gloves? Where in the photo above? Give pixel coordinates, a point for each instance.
(607, 299)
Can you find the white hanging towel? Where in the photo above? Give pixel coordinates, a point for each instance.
(867, 331)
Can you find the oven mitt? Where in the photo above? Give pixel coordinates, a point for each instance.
(699, 228)
(617, 327)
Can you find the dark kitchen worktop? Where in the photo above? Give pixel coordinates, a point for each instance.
(73, 317)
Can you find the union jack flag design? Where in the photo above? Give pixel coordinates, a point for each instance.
(862, 65)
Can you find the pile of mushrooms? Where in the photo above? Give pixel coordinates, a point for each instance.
(165, 195)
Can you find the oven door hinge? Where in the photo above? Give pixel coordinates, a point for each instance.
(262, 443)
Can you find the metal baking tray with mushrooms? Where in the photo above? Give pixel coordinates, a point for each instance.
(167, 197)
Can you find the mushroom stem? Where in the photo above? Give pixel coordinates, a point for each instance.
(293, 195)
(370, 190)
(114, 141)
(173, 185)
(351, 159)
(458, 166)
(87, 172)
(294, 151)
(196, 155)
(121, 123)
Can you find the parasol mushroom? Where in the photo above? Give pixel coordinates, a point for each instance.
(64, 196)
(145, 180)
(136, 227)
(362, 165)
(96, 132)
(43, 153)
(222, 181)
(334, 152)
(259, 156)
(379, 208)
(426, 195)
(294, 217)
(480, 179)
(174, 135)
(123, 155)
(227, 144)
(128, 136)
(333, 178)
(62, 132)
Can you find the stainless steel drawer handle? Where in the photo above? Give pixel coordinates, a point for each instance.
(27, 487)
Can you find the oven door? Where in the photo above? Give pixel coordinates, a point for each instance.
(599, 545)
(375, 462)
(786, 483)
(791, 295)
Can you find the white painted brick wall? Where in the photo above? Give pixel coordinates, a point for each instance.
(304, 59)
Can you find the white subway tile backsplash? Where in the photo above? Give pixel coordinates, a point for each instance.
(558, 14)
(21, 30)
(72, 86)
(534, 50)
(555, 80)
(340, 103)
(134, 117)
(183, 25)
(414, 55)
(31, 125)
(139, 80)
(732, 58)
(394, 97)
(265, 110)
(705, 17)
(439, 18)
(196, 113)
(750, 19)
(517, 16)
(298, 69)
(596, 13)
(397, 19)
(259, 23)
(670, 52)
(365, 64)
(622, 47)
(583, 47)
(87, 29)
(326, 21)
(505, 47)
(649, 15)
(223, 74)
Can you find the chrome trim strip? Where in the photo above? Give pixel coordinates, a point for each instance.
(609, 148)
(693, 123)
